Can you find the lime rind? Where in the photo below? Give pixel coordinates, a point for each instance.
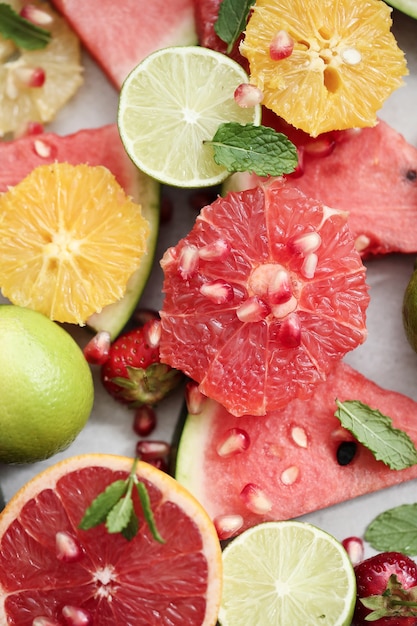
(188, 92)
(409, 7)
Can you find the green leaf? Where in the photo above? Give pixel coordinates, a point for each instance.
(120, 515)
(22, 32)
(101, 506)
(394, 530)
(375, 431)
(232, 19)
(147, 511)
(250, 148)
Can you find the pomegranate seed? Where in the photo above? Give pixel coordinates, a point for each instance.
(299, 436)
(218, 291)
(188, 261)
(30, 76)
(290, 475)
(290, 331)
(68, 548)
(42, 149)
(355, 549)
(152, 332)
(33, 128)
(160, 464)
(280, 311)
(281, 46)
(227, 525)
(279, 288)
(144, 420)
(97, 349)
(76, 616)
(255, 499)
(362, 242)
(306, 243)
(42, 620)
(320, 147)
(152, 450)
(299, 169)
(215, 251)
(31, 13)
(234, 441)
(141, 316)
(308, 268)
(253, 310)
(247, 95)
(194, 399)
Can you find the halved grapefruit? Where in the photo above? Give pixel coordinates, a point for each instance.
(51, 571)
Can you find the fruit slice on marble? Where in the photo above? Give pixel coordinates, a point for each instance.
(66, 575)
(342, 57)
(287, 463)
(382, 197)
(121, 34)
(96, 146)
(36, 84)
(262, 297)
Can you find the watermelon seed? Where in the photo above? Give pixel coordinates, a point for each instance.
(194, 399)
(346, 452)
(76, 616)
(411, 175)
(218, 291)
(68, 549)
(255, 499)
(42, 149)
(234, 441)
(227, 525)
(290, 475)
(299, 436)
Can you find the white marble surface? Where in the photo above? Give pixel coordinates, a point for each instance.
(385, 357)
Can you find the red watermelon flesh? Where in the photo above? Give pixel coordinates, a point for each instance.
(371, 173)
(119, 34)
(290, 466)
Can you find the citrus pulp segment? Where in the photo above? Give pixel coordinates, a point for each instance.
(344, 64)
(46, 386)
(173, 102)
(262, 297)
(59, 63)
(112, 580)
(71, 239)
(281, 573)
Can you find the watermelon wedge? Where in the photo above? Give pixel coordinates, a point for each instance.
(98, 146)
(245, 470)
(371, 173)
(119, 35)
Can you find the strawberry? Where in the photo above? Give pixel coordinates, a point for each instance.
(391, 579)
(133, 373)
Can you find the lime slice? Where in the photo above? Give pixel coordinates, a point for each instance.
(406, 6)
(172, 102)
(280, 573)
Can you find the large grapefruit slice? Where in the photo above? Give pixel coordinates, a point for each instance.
(50, 569)
(262, 297)
(290, 462)
(120, 34)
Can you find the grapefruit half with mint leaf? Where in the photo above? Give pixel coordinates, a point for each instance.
(262, 298)
(67, 575)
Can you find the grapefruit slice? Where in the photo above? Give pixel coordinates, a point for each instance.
(382, 198)
(286, 464)
(91, 574)
(120, 34)
(262, 297)
(98, 146)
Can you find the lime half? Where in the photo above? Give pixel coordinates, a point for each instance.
(287, 574)
(173, 102)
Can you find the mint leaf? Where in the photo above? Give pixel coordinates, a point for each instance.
(22, 32)
(103, 504)
(119, 517)
(147, 511)
(232, 19)
(394, 530)
(250, 148)
(375, 431)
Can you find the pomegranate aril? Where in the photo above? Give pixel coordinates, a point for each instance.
(35, 15)
(227, 525)
(68, 549)
(152, 450)
(247, 95)
(281, 46)
(253, 309)
(233, 442)
(141, 316)
(306, 243)
(215, 251)
(76, 616)
(218, 291)
(96, 352)
(290, 331)
(144, 420)
(30, 76)
(299, 168)
(321, 147)
(160, 464)
(42, 149)
(279, 288)
(355, 549)
(309, 266)
(194, 399)
(152, 332)
(34, 128)
(188, 261)
(255, 499)
(43, 620)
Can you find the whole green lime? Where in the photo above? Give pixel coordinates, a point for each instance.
(46, 386)
(409, 310)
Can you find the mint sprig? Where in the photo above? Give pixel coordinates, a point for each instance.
(394, 530)
(114, 507)
(21, 31)
(250, 148)
(231, 21)
(375, 431)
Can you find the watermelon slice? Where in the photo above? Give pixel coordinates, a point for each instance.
(371, 173)
(120, 34)
(285, 464)
(98, 146)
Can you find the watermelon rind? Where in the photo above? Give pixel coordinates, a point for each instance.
(409, 7)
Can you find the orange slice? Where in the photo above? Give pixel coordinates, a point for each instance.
(70, 239)
(327, 68)
(67, 575)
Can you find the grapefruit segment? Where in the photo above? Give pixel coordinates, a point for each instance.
(113, 580)
(297, 299)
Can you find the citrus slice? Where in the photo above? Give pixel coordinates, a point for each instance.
(100, 577)
(36, 84)
(262, 297)
(281, 573)
(328, 68)
(70, 239)
(171, 103)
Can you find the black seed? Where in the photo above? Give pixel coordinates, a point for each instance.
(346, 452)
(411, 175)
